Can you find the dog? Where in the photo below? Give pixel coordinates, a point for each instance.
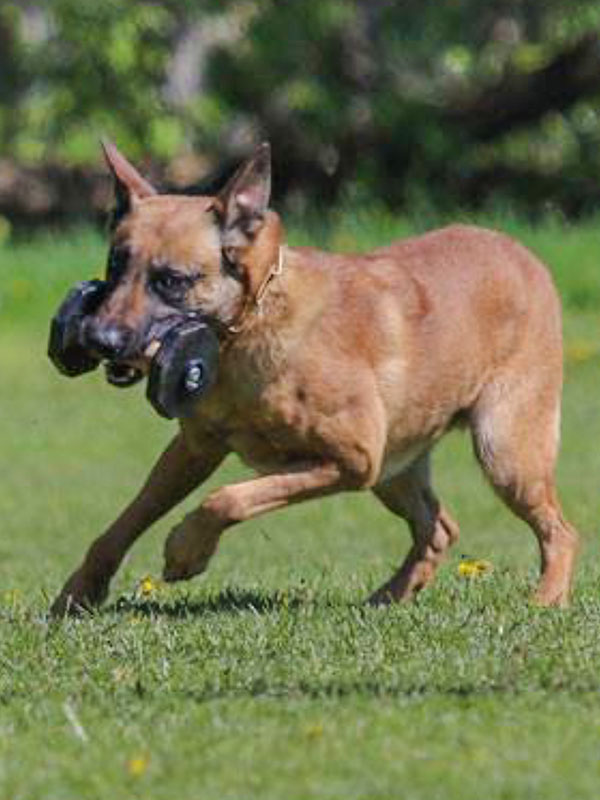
(337, 373)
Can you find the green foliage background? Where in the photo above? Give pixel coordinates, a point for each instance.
(357, 97)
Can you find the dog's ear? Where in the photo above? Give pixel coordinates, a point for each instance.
(129, 184)
(241, 206)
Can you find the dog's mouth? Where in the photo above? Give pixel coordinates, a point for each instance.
(121, 374)
(127, 372)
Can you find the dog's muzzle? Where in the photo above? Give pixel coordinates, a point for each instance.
(184, 359)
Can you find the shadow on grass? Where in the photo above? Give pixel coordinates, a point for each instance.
(228, 601)
(379, 690)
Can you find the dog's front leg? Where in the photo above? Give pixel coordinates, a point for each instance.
(176, 473)
(191, 544)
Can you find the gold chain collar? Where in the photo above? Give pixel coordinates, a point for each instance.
(257, 300)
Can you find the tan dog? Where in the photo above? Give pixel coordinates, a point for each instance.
(337, 373)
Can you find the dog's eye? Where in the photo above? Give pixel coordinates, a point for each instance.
(167, 281)
(170, 285)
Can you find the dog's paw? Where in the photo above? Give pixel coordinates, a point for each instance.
(187, 551)
(79, 594)
(381, 598)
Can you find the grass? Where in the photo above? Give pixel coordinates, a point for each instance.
(268, 678)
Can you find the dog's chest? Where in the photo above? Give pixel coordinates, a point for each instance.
(266, 453)
(274, 436)
(271, 430)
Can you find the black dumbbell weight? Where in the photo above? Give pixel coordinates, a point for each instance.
(183, 369)
(65, 347)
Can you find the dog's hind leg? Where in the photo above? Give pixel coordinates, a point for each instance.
(177, 472)
(515, 426)
(433, 530)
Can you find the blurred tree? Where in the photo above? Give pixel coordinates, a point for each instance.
(404, 99)
(411, 103)
(11, 77)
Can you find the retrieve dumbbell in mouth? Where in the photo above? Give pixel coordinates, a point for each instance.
(183, 364)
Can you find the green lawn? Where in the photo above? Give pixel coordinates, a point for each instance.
(268, 678)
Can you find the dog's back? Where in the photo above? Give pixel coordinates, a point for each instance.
(482, 302)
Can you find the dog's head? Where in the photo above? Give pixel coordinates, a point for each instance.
(176, 256)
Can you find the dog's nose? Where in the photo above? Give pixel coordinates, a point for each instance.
(108, 340)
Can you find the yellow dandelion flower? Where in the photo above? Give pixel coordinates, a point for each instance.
(580, 351)
(148, 586)
(121, 674)
(21, 289)
(473, 567)
(314, 731)
(137, 766)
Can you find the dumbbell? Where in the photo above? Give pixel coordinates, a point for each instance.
(65, 344)
(184, 361)
(183, 369)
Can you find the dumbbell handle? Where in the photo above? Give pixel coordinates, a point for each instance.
(152, 349)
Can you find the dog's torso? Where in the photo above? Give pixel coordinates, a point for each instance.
(394, 346)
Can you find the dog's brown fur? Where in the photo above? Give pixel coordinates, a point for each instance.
(343, 377)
